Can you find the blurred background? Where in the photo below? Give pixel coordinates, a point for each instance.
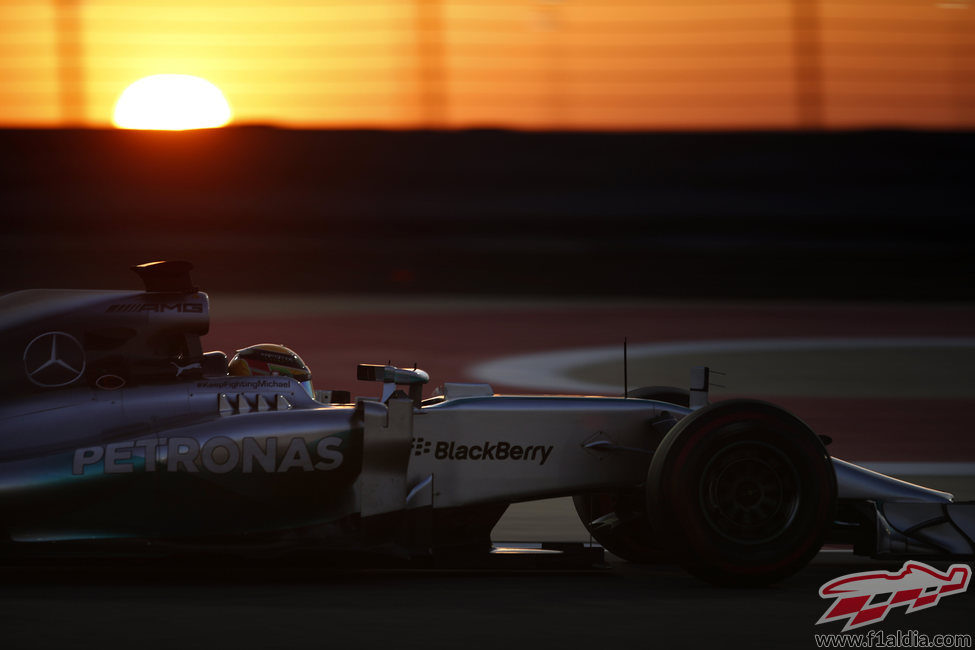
(706, 148)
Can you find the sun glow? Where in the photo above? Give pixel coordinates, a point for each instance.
(172, 102)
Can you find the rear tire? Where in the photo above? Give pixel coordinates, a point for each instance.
(745, 492)
(632, 538)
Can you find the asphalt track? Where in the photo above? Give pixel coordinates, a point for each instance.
(266, 605)
(306, 607)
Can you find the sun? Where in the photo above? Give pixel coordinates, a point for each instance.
(172, 102)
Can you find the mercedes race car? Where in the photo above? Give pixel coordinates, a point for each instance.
(119, 433)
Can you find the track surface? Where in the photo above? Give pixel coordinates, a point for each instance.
(268, 606)
(306, 607)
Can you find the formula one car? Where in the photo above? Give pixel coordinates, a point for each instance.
(118, 433)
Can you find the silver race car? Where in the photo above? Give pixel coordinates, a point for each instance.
(118, 434)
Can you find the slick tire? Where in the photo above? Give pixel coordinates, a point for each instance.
(630, 536)
(745, 492)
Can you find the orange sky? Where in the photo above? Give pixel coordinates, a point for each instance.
(623, 64)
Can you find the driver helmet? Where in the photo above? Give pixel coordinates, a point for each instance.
(270, 359)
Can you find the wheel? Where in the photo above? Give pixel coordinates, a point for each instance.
(745, 492)
(624, 528)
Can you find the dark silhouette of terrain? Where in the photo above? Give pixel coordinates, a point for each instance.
(844, 215)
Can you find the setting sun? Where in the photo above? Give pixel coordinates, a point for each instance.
(171, 102)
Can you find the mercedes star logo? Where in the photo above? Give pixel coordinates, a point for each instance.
(54, 359)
